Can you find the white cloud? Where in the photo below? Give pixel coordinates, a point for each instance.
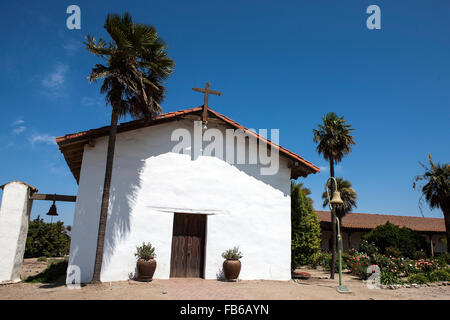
(19, 130)
(18, 127)
(55, 80)
(17, 122)
(44, 138)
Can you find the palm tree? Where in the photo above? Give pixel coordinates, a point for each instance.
(348, 196)
(334, 141)
(436, 190)
(136, 66)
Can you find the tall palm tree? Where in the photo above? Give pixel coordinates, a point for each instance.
(334, 141)
(435, 188)
(136, 67)
(348, 196)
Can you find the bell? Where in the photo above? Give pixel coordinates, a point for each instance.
(52, 210)
(336, 198)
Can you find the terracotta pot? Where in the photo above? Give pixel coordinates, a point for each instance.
(146, 269)
(231, 269)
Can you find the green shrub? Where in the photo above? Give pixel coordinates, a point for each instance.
(367, 247)
(393, 251)
(318, 259)
(426, 265)
(358, 265)
(40, 259)
(440, 275)
(418, 278)
(146, 251)
(420, 254)
(388, 278)
(46, 239)
(407, 241)
(53, 272)
(444, 259)
(232, 254)
(305, 228)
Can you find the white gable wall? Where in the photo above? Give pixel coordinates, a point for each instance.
(150, 183)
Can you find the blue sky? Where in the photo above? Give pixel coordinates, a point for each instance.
(279, 65)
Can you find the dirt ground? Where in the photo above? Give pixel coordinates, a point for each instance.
(317, 287)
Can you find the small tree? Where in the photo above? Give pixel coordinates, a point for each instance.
(46, 239)
(305, 244)
(389, 238)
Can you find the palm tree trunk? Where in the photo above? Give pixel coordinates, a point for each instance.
(333, 227)
(105, 198)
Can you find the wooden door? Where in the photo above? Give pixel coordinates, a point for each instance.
(188, 245)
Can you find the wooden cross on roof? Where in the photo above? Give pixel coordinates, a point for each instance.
(207, 92)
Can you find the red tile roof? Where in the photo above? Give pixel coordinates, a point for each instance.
(371, 220)
(72, 145)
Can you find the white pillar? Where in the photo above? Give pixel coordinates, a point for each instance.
(14, 216)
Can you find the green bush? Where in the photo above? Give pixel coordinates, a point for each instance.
(46, 239)
(318, 259)
(418, 278)
(146, 251)
(358, 265)
(40, 259)
(305, 241)
(388, 278)
(367, 247)
(405, 240)
(444, 259)
(53, 272)
(393, 251)
(420, 254)
(440, 275)
(232, 254)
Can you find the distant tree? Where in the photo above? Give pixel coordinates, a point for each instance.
(390, 237)
(334, 141)
(435, 188)
(46, 239)
(348, 196)
(305, 244)
(136, 66)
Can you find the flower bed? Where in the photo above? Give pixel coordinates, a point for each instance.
(397, 270)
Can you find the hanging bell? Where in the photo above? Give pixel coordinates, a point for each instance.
(336, 198)
(52, 210)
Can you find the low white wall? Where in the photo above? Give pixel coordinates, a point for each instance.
(150, 183)
(14, 215)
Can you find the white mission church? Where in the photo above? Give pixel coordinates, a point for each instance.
(168, 190)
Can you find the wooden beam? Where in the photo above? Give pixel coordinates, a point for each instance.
(51, 197)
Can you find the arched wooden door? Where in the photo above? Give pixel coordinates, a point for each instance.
(188, 245)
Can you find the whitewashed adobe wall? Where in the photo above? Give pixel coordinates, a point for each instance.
(150, 183)
(14, 215)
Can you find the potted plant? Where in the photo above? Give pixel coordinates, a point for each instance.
(232, 265)
(146, 263)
